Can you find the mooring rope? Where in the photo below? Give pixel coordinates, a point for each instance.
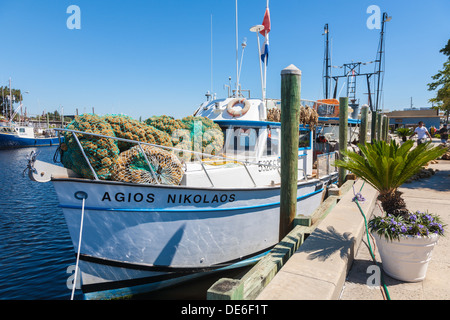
(83, 196)
(359, 197)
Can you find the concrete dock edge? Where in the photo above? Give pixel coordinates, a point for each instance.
(317, 270)
(258, 277)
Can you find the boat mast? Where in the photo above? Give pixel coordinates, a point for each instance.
(10, 100)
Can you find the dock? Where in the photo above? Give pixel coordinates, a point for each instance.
(328, 257)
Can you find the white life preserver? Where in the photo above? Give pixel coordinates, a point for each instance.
(238, 113)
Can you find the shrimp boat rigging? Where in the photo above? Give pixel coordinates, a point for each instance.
(21, 135)
(224, 213)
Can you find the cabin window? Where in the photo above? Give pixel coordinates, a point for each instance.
(245, 139)
(273, 139)
(241, 141)
(304, 139)
(22, 130)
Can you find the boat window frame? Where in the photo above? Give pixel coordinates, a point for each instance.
(310, 138)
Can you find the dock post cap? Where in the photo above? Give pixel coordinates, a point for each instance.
(365, 106)
(291, 70)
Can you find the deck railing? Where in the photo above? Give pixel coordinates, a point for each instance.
(198, 157)
(325, 163)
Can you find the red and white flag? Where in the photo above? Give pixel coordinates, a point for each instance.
(265, 33)
(266, 23)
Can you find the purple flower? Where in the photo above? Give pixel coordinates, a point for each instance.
(403, 229)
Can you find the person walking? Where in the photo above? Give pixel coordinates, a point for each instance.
(444, 133)
(421, 132)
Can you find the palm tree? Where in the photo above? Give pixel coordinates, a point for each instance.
(387, 166)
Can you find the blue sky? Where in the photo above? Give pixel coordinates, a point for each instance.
(145, 58)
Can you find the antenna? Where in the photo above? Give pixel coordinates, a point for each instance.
(379, 66)
(212, 54)
(237, 52)
(244, 44)
(327, 64)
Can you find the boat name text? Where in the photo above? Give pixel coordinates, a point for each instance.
(171, 198)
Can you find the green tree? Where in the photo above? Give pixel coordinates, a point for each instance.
(387, 166)
(441, 84)
(4, 99)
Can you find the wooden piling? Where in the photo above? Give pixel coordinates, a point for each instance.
(343, 134)
(373, 127)
(290, 104)
(385, 128)
(379, 126)
(364, 123)
(226, 289)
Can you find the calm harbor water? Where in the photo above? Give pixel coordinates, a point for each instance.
(35, 248)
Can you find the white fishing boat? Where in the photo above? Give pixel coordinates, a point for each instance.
(223, 212)
(141, 237)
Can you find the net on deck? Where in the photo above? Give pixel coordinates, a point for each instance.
(101, 152)
(124, 161)
(132, 166)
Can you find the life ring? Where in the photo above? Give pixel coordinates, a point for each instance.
(238, 113)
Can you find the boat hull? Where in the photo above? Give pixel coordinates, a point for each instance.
(13, 141)
(139, 238)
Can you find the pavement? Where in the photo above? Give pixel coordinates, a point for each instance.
(334, 263)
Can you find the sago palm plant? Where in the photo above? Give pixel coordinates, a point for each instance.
(387, 166)
(404, 133)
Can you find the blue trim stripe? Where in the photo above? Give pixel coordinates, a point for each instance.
(350, 120)
(186, 210)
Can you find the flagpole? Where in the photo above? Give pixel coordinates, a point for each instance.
(265, 62)
(256, 29)
(265, 72)
(260, 65)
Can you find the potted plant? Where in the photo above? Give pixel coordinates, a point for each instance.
(404, 133)
(401, 236)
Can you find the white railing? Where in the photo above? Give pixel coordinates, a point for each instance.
(325, 163)
(197, 155)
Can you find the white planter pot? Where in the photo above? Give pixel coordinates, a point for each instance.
(406, 259)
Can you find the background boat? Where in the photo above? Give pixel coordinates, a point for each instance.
(13, 135)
